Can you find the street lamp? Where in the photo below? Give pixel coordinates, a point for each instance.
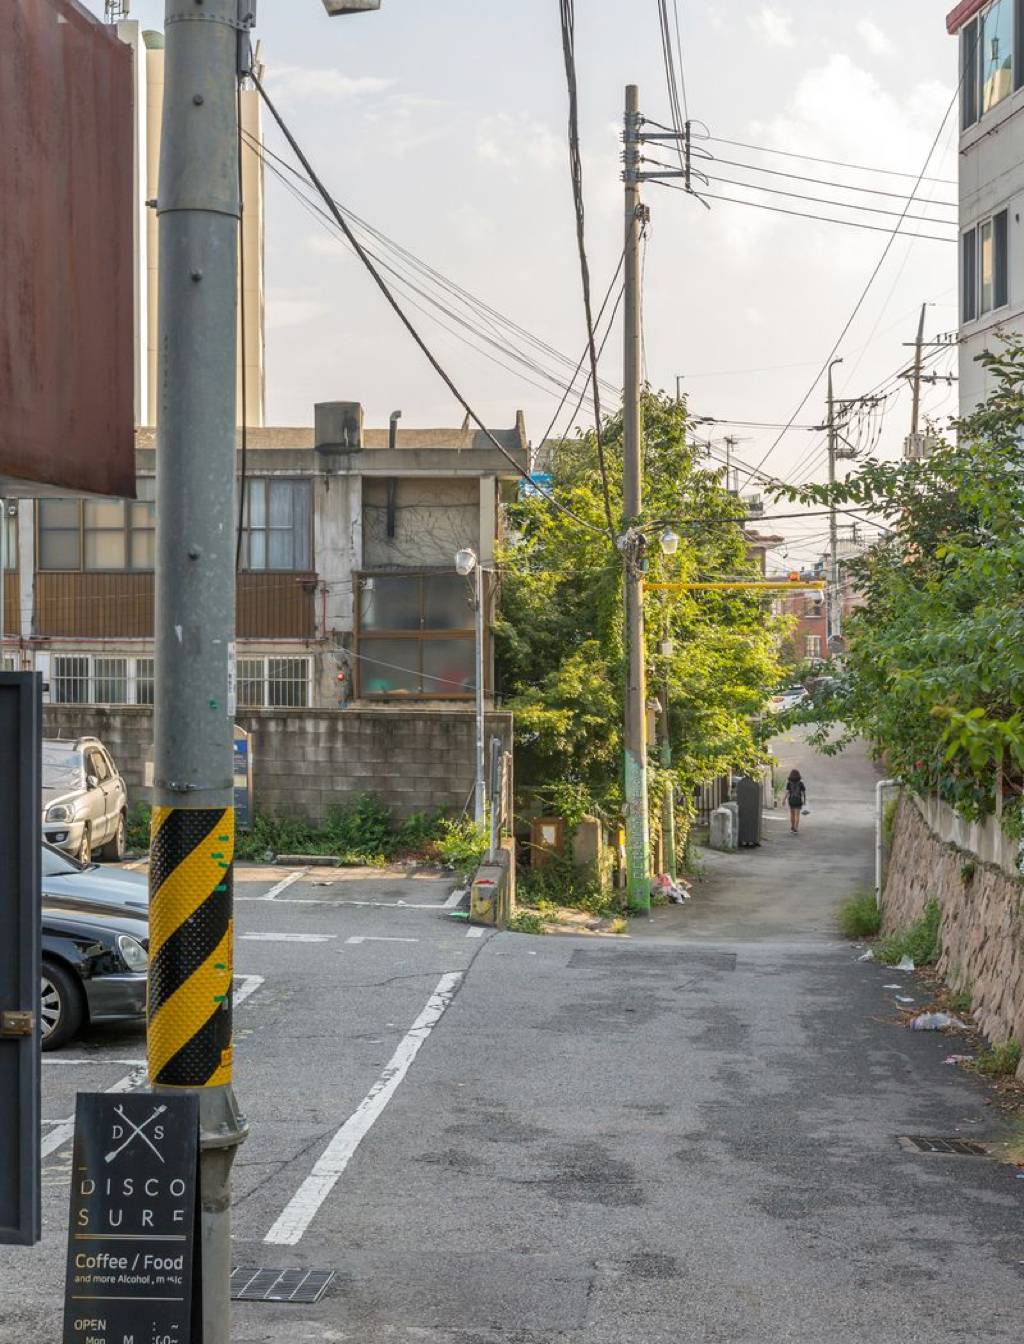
(336, 7)
(466, 563)
(669, 542)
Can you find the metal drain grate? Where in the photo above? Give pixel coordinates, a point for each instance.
(949, 1147)
(280, 1285)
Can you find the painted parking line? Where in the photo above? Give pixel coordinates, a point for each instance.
(456, 896)
(66, 1129)
(287, 937)
(306, 1202)
(242, 991)
(369, 939)
(474, 933)
(276, 890)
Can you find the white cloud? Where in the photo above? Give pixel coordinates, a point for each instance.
(297, 81)
(876, 41)
(514, 141)
(288, 310)
(773, 27)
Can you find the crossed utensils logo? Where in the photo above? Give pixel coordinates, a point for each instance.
(138, 1133)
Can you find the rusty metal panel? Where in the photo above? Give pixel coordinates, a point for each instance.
(276, 606)
(66, 252)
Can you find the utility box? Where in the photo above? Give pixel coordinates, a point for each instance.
(21, 731)
(749, 803)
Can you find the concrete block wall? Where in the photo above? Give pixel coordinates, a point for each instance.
(982, 930)
(305, 761)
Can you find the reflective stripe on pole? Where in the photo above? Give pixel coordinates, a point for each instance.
(190, 949)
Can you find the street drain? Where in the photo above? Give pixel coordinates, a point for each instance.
(949, 1147)
(280, 1285)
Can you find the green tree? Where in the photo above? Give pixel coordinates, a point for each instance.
(934, 675)
(560, 634)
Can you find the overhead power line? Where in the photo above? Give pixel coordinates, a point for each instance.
(832, 163)
(827, 182)
(382, 285)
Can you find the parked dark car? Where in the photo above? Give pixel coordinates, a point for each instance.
(85, 802)
(95, 947)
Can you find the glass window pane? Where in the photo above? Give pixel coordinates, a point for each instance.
(280, 550)
(145, 487)
(1000, 260)
(58, 513)
(288, 682)
(257, 550)
(985, 247)
(142, 514)
(280, 503)
(59, 550)
(388, 603)
(302, 512)
(257, 503)
(389, 666)
(996, 55)
(448, 602)
(70, 685)
(110, 683)
(143, 550)
(144, 681)
(449, 667)
(104, 550)
(969, 70)
(970, 275)
(250, 683)
(104, 513)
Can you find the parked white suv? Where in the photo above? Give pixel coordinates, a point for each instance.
(85, 802)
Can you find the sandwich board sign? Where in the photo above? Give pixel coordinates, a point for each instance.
(133, 1272)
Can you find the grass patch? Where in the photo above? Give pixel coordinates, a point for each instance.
(526, 921)
(561, 883)
(999, 1061)
(619, 925)
(960, 1001)
(859, 916)
(920, 942)
(889, 820)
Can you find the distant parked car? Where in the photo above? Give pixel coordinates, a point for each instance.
(85, 802)
(787, 699)
(95, 931)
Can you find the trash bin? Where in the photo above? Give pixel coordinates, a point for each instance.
(748, 796)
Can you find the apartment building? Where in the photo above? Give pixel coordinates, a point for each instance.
(991, 194)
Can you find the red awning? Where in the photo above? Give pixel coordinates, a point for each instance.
(964, 12)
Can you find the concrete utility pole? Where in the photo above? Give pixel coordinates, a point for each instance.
(638, 836)
(191, 873)
(915, 412)
(835, 603)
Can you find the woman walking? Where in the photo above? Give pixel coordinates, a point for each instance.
(796, 795)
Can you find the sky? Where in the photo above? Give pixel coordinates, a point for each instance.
(443, 124)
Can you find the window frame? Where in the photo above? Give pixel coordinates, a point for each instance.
(262, 661)
(973, 63)
(812, 648)
(133, 678)
(972, 301)
(266, 529)
(128, 530)
(364, 639)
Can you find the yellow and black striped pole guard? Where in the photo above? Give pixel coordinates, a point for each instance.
(190, 947)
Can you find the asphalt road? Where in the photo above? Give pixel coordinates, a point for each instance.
(687, 1135)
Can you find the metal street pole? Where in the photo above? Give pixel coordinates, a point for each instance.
(638, 837)
(835, 598)
(480, 809)
(191, 866)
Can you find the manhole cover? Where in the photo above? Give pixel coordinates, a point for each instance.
(950, 1147)
(280, 1285)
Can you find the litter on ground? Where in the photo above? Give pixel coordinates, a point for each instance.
(905, 964)
(936, 1022)
(868, 956)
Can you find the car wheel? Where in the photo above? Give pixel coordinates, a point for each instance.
(61, 1009)
(85, 848)
(114, 848)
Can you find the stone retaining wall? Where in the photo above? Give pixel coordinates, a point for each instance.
(982, 933)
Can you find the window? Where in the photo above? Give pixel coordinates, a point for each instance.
(9, 536)
(80, 679)
(990, 64)
(98, 534)
(416, 636)
(813, 646)
(277, 530)
(273, 683)
(985, 267)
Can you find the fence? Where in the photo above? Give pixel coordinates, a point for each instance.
(711, 796)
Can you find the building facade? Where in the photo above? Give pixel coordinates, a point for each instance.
(991, 194)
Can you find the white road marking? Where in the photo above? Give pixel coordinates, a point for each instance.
(99, 1059)
(287, 937)
(139, 863)
(455, 898)
(306, 1202)
(250, 984)
(59, 1136)
(474, 933)
(369, 939)
(370, 905)
(276, 890)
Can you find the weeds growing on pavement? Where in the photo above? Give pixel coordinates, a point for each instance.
(920, 942)
(460, 844)
(137, 831)
(998, 1061)
(561, 883)
(526, 921)
(961, 1001)
(859, 915)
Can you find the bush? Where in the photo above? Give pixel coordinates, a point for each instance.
(461, 844)
(859, 916)
(920, 942)
(1001, 1061)
(561, 883)
(526, 921)
(137, 833)
(362, 831)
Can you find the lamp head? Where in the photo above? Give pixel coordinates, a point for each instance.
(669, 542)
(465, 561)
(336, 7)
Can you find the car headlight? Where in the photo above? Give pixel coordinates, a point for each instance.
(133, 954)
(61, 812)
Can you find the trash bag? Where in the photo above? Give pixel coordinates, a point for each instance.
(936, 1022)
